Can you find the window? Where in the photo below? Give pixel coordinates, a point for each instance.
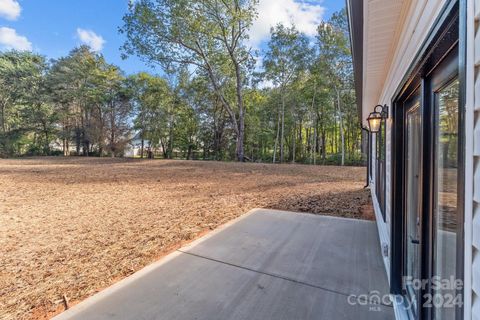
(380, 178)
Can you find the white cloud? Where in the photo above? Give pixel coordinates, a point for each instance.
(91, 39)
(10, 9)
(266, 84)
(306, 16)
(9, 39)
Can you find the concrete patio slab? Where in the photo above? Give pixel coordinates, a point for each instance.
(330, 252)
(266, 265)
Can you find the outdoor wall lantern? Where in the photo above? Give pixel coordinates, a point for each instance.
(375, 118)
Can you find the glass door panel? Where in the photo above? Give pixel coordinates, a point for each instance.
(413, 204)
(445, 208)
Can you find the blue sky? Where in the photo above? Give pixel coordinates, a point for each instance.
(53, 27)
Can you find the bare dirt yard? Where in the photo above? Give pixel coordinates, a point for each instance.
(72, 226)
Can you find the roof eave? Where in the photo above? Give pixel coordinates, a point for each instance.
(355, 19)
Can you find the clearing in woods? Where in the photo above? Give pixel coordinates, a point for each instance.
(72, 226)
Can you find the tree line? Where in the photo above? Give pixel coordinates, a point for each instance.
(215, 98)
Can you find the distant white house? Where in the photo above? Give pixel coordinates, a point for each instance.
(134, 147)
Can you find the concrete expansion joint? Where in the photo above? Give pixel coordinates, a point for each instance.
(299, 282)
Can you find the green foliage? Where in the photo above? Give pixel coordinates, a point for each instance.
(208, 104)
(208, 35)
(287, 56)
(79, 98)
(22, 112)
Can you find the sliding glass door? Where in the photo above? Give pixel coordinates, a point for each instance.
(431, 183)
(428, 179)
(446, 198)
(413, 212)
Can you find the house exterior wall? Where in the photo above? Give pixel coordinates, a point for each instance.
(411, 33)
(415, 22)
(472, 188)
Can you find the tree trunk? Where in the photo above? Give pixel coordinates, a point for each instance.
(241, 112)
(300, 138)
(78, 139)
(170, 140)
(308, 142)
(4, 125)
(86, 142)
(315, 139)
(324, 146)
(113, 130)
(282, 135)
(276, 139)
(164, 150)
(315, 124)
(294, 143)
(342, 134)
(240, 137)
(142, 134)
(47, 144)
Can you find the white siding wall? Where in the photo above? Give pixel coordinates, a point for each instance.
(383, 229)
(412, 32)
(417, 24)
(419, 20)
(472, 194)
(388, 171)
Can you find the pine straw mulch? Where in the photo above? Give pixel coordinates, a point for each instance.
(72, 226)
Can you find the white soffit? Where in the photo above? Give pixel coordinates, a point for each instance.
(383, 21)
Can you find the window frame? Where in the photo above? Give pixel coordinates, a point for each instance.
(380, 168)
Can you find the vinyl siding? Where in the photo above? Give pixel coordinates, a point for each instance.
(410, 34)
(474, 205)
